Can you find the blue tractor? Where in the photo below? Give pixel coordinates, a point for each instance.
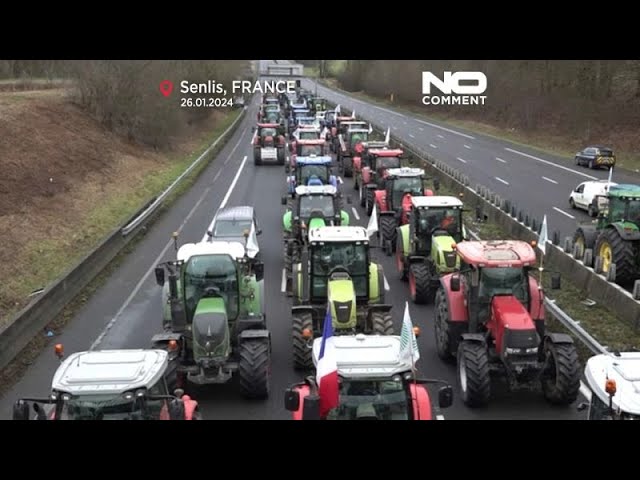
(311, 171)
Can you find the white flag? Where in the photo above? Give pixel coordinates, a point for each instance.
(610, 175)
(373, 222)
(353, 114)
(337, 110)
(543, 238)
(387, 138)
(408, 343)
(252, 243)
(370, 129)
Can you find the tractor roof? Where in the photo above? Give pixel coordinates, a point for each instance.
(326, 160)
(338, 234)
(217, 247)
(497, 253)
(386, 152)
(376, 144)
(353, 122)
(311, 141)
(365, 356)
(405, 172)
(625, 370)
(316, 190)
(347, 120)
(358, 130)
(435, 201)
(624, 190)
(269, 125)
(109, 371)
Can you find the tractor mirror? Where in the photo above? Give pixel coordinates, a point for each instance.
(20, 410)
(582, 406)
(556, 283)
(455, 282)
(349, 199)
(445, 396)
(291, 399)
(258, 269)
(283, 200)
(40, 415)
(160, 276)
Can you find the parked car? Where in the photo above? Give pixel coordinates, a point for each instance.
(236, 224)
(596, 156)
(585, 196)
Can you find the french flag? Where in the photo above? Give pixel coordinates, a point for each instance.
(327, 370)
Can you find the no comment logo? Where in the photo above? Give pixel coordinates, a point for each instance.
(457, 88)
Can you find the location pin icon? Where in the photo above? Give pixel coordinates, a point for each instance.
(166, 87)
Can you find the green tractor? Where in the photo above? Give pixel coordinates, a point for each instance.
(615, 235)
(213, 316)
(424, 249)
(336, 274)
(313, 206)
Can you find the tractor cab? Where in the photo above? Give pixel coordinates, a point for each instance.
(112, 385)
(401, 184)
(356, 136)
(435, 224)
(314, 206)
(311, 171)
(613, 379)
(375, 383)
(268, 135)
(378, 161)
(330, 118)
(307, 133)
(317, 104)
(306, 148)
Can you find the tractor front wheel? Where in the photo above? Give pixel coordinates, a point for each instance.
(420, 283)
(388, 232)
(370, 200)
(561, 376)
(281, 155)
(444, 342)
(255, 368)
(302, 354)
(613, 249)
(401, 265)
(382, 323)
(473, 373)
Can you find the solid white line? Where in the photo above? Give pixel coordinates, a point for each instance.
(229, 157)
(432, 145)
(284, 280)
(440, 136)
(563, 212)
(386, 284)
(233, 184)
(474, 235)
(552, 164)
(412, 136)
(217, 176)
(447, 130)
(421, 129)
(501, 180)
(501, 160)
(467, 146)
(355, 213)
(584, 390)
(389, 111)
(461, 159)
(439, 417)
(550, 180)
(395, 128)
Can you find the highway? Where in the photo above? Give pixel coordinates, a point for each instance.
(126, 311)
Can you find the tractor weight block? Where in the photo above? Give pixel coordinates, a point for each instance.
(587, 259)
(568, 245)
(611, 274)
(598, 265)
(636, 290)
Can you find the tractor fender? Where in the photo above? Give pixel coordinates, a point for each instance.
(388, 214)
(381, 200)
(474, 337)
(252, 334)
(301, 309)
(160, 340)
(417, 259)
(379, 307)
(403, 237)
(537, 298)
(421, 402)
(254, 323)
(344, 218)
(628, 231)
(376, 283)
(366, 174)
(558, 338)
(428, 192)
(455, 300)
(357, 163)
(286, 221)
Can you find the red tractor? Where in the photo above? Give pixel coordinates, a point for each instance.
(394, 201)
(268, 144)
(373, 164)
(490, 317)
(307, 148)
(361, 159)
(340, 125)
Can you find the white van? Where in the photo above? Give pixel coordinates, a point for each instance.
(585, 195)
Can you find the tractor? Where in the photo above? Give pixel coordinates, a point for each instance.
(375, 383)
(490, 317)
(342, 125)
(615, 235)
(424, 250)
(314, 206)
(335, 274)
(306, 148)
(317, 104)
(311, 171)
(374, 164)
(268, 144)
(213, 316)
(349, 145)
(131, 384)
(362, 160)
(394, 201)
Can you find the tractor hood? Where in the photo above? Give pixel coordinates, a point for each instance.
(342, 298)
(515, 331)
(211, 339)
(443, 254)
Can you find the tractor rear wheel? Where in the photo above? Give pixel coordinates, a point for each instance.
(281, 155)
(420, 283)
(561, 376)
(347, 166)
(613, 249)
(302, 354)
(255, 368)
(388, 233)
(257, 156)
(382, 323)
(401, 265)
(585, 238)
(473, 373)
(443, 338)
(370, 199)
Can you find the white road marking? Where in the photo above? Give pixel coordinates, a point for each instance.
(501, 180)
(386, 284)
(501, 160)
(355, 213)
(447, 130)
(440, 136)
(439, 417)
(340, 181)
(395, 128)
(552, 164)
(233, 184)
(467, 146)
(584, 390)
(432, 145)
(229, 157)
(421, 129)
(217, 176)
(461, 159)
(474, 235)
(563, 212)
(549, 180)
(283, 286)
(412, 136)
(390, 111)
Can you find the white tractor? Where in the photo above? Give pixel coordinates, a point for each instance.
(614, 381)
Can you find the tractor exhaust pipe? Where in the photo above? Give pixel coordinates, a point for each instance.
(304, 259)
(178, 314)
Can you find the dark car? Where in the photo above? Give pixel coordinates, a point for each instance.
(236, 224)
(596, 156)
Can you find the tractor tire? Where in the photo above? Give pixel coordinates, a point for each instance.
(257, 156)
(281, 156)
(347, 166)
(619, 252)
(473, 373)
(370, 199)
(362, 195)
(420, 275)
(388, 233)
(561, 377)
(356, 184)
(585, 238)
(401, 265)
(442, 332)
(302, 353)
(255, 369)
(382, 323)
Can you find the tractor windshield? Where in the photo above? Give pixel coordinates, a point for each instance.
(448, 219)
(359, 137)
(313, 174)
(387, 162)
(111, 407)
(350, 256)
(504, 281)
(309, 135)
(321, 203)
(599, 410)
(231, 228)
(211, 275)
(402, 185)
(310, 150)
(268, 132)
(272, 108)
(627, 210)
(371, 400)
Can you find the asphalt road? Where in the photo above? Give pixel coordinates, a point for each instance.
(536, 182)
(126, 311)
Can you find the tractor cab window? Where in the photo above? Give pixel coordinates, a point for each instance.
(309, 135)
(313, 174)
(320, 203)
(387, 162)
(350, 256)
(628, 210)
(231, 228)
(503, 281)
(211, 276)
(372, 400)
(433, 219)
(268, 132)
(402, 185)
(359, 137)
(310, 150)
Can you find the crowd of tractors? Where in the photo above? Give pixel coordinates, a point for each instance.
(489, 317)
